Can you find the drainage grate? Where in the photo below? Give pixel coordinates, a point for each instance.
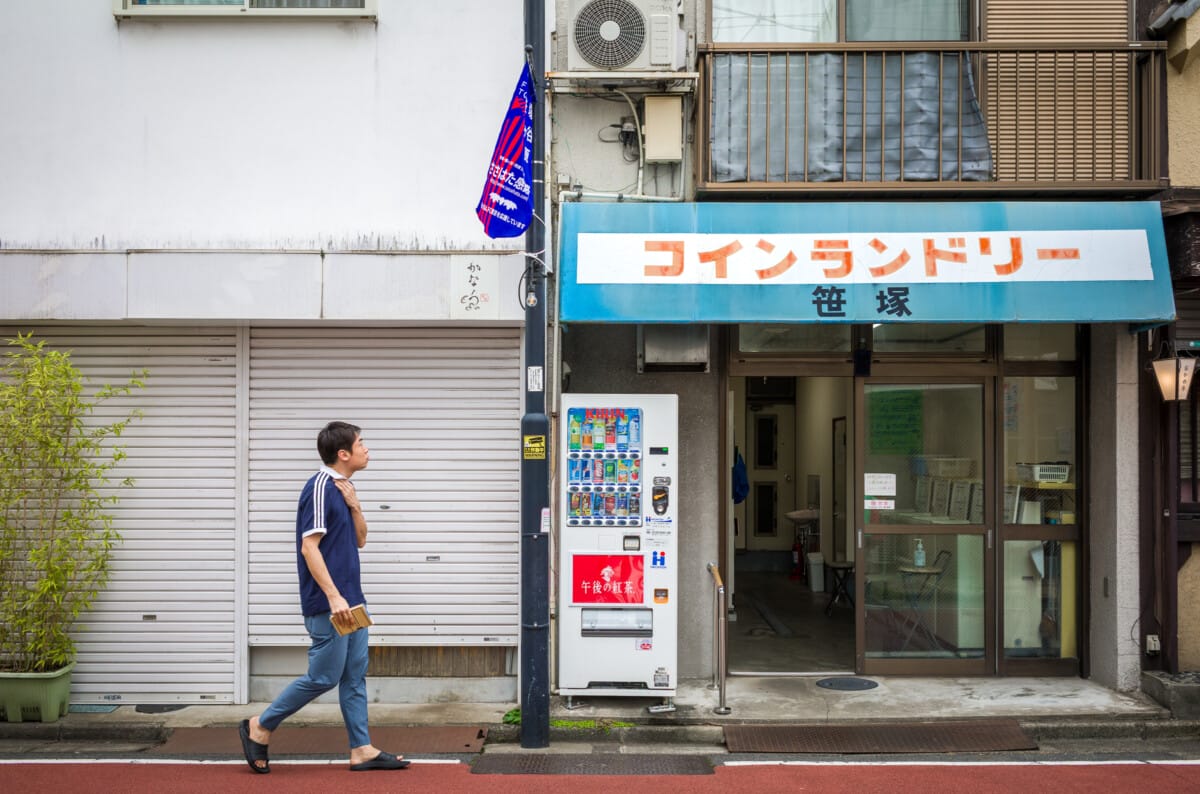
(599, 764)
(847, 684)
(91, 708)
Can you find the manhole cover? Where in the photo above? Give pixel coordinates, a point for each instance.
(847, 684)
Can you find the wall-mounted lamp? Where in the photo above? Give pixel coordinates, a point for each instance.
(1174, 373)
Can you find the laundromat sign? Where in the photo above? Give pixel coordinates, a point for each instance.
(968, 261)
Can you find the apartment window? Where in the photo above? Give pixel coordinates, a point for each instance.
(246, 8)
(811, 21)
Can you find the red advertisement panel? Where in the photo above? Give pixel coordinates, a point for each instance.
(607, 578)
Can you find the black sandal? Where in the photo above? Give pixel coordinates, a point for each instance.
(253, 751)
(384, 760)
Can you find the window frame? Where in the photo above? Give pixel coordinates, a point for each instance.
(130, 9)
(973, 32)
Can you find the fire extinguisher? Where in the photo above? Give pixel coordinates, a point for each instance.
(797, 557)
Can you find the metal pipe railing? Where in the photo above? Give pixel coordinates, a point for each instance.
(721, 612)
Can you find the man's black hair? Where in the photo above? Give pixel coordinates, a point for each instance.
(336, 436)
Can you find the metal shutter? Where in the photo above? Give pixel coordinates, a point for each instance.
(1033, 86)
(1057, 20)
(163, 632)
(440, 412)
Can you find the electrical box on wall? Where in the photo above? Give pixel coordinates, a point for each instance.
(672, 348)
(663, 139)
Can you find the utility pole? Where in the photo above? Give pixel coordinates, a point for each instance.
(535, 428)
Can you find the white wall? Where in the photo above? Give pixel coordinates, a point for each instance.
(244, 133)
(818, 402)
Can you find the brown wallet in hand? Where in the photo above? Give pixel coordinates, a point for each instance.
(359, 619)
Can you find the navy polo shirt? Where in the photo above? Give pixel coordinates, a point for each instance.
(322, 510)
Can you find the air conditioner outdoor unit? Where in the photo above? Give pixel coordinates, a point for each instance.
(626, 35)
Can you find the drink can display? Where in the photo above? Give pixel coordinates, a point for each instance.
(635, 471)
(585, 504)
(635, 505)
(585, 434)
(622, 504)
(610, 471)
(597, 504)
(622, 471)
(622, 433)
(576, 500)
(635, 429)
(610, 504)
(597, 434)
(610, 433)
(597, 472)
(575, 470)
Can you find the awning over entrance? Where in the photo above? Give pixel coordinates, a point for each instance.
(860, 262)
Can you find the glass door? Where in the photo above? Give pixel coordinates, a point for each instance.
(923, 545)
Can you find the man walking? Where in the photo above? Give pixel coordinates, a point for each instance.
(330, 529)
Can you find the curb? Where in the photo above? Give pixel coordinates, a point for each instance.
(604, 732)
(1112, 729)
(601, 733)
(714, 734)
(134, 732)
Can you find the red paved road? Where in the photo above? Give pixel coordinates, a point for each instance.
(300, 778)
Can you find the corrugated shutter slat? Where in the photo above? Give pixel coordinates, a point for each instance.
(440, 411)
(163, 630)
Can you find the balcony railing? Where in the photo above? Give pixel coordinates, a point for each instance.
(976, 116)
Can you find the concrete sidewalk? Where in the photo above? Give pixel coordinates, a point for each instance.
(1045, 707)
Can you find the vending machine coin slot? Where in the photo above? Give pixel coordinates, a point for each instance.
(660, 499)
(632, 543)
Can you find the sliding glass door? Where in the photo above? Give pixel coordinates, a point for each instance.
(923, 542)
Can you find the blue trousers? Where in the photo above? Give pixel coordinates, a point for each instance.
(333, 660)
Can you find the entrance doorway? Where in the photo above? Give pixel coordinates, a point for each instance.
(935, 484)
(791, 433)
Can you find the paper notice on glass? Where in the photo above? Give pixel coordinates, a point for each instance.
(879, 504)
(880, 484)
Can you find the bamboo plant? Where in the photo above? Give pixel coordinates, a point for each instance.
(56, 528)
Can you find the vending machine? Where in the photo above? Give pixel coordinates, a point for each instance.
(618, 590)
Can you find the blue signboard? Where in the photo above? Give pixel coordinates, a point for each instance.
(861, 262)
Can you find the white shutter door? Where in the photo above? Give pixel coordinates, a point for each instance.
(440, 413)
(163, 631)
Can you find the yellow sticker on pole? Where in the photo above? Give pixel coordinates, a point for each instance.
(534, 447)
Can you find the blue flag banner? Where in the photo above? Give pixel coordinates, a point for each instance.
(506, 206)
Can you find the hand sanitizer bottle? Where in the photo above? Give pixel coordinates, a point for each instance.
(919, 554)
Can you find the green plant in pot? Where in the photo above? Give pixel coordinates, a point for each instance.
(56, 529)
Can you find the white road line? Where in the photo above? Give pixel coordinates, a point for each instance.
(1166, 762)
(199, 761)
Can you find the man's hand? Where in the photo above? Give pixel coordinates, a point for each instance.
(340, 610)
(349, 494)
(360, 521)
